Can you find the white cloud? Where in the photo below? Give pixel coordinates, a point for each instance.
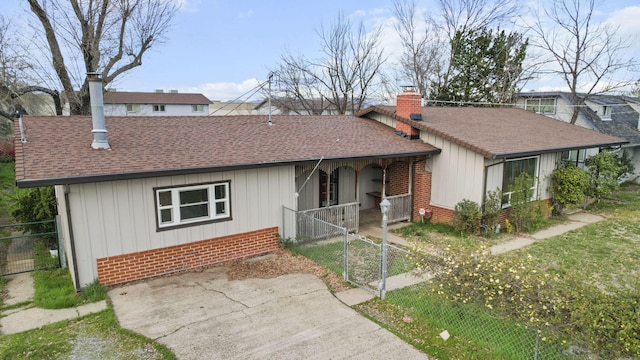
(227, 90)
(188, 6)
(626, 20)
(246, 14)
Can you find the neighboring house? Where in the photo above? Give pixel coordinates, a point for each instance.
(159, 103)
(221, 108)
(291, 106)
(167, 197)
(609, 114)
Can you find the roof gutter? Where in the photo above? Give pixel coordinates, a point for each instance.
(538, 152)
(171, 172)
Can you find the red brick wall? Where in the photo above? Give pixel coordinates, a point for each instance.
(398, 177)
(140, 265)
(421, 188)
(408, 103)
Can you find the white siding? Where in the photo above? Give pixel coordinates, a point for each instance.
(147, 110)
(119, 217)
(346, 185)
(64, 227)
(309, 196)
(457, 173)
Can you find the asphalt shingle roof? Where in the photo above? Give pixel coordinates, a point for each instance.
(624, 118)
(58, 149)
(503, 132)
(123, 97)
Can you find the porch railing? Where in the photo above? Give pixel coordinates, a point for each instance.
(400, 210)
(345, 215)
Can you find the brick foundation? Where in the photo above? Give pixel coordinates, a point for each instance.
(145, 264)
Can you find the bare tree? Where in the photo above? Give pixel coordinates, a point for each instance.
(15, 66)
(425, 47)
(343, 76)
(586, 54)
(110, 35)
(421, 58)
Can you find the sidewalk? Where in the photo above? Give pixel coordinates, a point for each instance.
(576, 221)
(27, 317)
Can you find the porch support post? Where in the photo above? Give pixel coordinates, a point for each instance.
(357, 186)
(384, 181)
(410, 184)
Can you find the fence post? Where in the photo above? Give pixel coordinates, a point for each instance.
(384, 207)
(345, 256)
(536, 353)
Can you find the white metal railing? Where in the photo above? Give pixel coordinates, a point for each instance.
(400, 210)
(345, 215)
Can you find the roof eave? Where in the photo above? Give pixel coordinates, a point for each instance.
(190, 171)
(554, 150)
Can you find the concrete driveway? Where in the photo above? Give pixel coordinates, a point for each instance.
(205, 316)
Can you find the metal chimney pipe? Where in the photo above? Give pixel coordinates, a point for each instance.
(97, 112)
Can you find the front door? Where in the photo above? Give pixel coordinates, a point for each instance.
(329, 185)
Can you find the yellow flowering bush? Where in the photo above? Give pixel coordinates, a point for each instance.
(608, 324)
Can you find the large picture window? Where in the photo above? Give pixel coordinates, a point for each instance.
(513, 169)
(541, 106)
(192, 204)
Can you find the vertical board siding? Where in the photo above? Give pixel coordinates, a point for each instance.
(119, 217)
(457, 173)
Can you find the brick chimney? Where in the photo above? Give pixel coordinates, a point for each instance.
(407, 104)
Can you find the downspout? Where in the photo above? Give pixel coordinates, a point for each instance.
(484, 181)
(71, 239)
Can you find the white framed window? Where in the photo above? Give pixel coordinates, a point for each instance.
(186, 205)
(133, 108)
(197, 108)
(606, 113)
(541, 106)
(576, 157)
(514, 168)
(158, 108)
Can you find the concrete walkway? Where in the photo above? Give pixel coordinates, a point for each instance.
(576, 221)
(20, 290)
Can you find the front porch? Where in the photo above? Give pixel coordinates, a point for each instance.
(355, 219)
(348, 192)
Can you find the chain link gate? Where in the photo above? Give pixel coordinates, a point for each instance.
(362, 263)
(22, 251)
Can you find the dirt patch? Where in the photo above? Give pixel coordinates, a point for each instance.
(283, 262)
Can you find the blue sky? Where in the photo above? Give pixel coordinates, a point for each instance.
(223, 48)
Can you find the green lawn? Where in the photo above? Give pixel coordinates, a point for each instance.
(7, 185)
(602, 260)
(95, 336)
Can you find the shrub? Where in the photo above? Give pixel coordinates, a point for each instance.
(491, 212)
(34, 205)
(466, 217)
(569, 185)
(553, 300)
(7, 151)
(605, 169)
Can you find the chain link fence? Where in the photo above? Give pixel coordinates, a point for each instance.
(471, 331)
